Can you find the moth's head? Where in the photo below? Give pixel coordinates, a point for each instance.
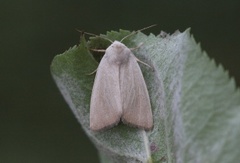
(117, 47)
(117, 53)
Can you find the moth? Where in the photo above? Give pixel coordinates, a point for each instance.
(119, 91)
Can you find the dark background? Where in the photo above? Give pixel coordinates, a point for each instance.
(36, 125)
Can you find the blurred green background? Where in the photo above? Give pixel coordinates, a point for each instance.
(36, 125)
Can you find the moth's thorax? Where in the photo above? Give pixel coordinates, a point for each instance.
(118, 53)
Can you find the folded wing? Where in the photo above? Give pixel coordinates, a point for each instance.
(135, 98)
(105, 106)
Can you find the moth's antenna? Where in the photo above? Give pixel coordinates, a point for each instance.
(134, 32)
(91, 34)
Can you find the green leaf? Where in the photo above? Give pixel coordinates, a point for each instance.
(196, 107)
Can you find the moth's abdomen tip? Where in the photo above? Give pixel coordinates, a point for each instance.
(103, 126)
